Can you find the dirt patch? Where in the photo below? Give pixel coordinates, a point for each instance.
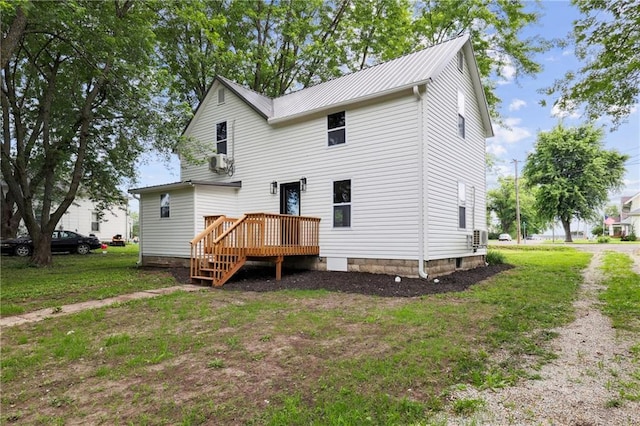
(262, 279)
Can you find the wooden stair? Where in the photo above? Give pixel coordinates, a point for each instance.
(226, 244)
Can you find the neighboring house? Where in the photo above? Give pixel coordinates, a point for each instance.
(630, 215)
(390, 158)
(85, 217)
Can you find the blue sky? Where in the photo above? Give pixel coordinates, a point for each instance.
(520, 110)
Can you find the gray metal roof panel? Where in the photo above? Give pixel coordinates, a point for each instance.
(415, 68)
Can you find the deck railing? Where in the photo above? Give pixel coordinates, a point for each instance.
(252, 235)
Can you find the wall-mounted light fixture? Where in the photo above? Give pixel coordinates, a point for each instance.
(303, 183)
(274, 187)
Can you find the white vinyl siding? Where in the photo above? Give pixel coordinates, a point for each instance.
(450, 160)
(80, 217)
(168, 236)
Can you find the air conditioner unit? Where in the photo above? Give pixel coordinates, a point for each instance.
(480, 238)
(218, 162)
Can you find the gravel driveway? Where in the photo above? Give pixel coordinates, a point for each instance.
(578, 388)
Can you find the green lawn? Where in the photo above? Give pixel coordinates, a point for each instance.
(288, 357)
(73, 278)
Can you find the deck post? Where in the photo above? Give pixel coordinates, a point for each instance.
(279, 260)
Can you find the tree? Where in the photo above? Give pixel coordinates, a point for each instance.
(572, 173)
(502, 202)
(612, 211)
(78, 103)
(277, 46)
(606, 38)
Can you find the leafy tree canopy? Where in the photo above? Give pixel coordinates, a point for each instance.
(79, 106)
(573, 173)
(502, 202)
(606, 39)
(277, 46)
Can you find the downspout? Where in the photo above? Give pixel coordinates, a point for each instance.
(137, 197)
(422, 250)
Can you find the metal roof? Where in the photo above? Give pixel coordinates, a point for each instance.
(399, 74)
(184, 184)
(416, 68)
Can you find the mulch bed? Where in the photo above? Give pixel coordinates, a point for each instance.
(262, 279)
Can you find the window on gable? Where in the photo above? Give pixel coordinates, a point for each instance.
(165, 201)
(221, 95)
(461, 124)
(95, 221)
(336, 124)
(221, 138)
(462, 206)
(460, 60)
(342, 204)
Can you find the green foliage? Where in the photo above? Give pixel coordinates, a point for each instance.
(573, 173)
(603, 239)
(73, 92)
(466, 407)
(597, 230)
(622, 296)
(495, 257)
(606, 39)
(276, 47)
(502, 202)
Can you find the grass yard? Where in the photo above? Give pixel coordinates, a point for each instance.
(287, 357)
(73, 278)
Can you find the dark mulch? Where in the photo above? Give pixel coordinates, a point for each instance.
(261, 279)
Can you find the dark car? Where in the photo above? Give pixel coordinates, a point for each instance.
(62, 241)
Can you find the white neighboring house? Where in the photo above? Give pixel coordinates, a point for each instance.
(390, 158)
(83, 217)
(631, 215)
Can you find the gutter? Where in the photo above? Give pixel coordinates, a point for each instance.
(423, 251)
(137, 197)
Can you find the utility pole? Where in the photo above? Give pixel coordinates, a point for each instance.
(517, 202)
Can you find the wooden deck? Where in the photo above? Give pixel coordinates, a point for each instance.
(225, 244)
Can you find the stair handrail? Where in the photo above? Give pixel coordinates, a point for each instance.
(206, 231)
(230, 229)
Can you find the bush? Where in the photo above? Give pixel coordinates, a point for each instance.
(495, 257)
(603, 239)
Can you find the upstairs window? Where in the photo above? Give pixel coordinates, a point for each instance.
(342, 204)
(165, 201)
(336, 125)
(461, 61)
(462, 206)
(95, 221)
(221, 95)
(461, 124)
(221, 138)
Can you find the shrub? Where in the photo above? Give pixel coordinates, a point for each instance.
(603, 239)
(495, 257)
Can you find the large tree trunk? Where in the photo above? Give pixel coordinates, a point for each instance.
(10, 218)
(566, 224)
(42, 250)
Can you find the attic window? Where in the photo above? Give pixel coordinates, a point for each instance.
(461, 124)
(460, 61)
(221, 95)
(336, 124)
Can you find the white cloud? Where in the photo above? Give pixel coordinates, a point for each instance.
(496, 149)
(507, 71)
(516, 104)
(511, 132)
(567, 52)
(570, 111)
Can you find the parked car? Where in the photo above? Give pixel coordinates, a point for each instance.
(504, 237)
(62, 241)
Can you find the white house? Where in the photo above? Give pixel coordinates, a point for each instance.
(85, 217)
(390, 158)
(630, 219)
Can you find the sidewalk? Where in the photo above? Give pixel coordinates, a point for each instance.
(42, 314)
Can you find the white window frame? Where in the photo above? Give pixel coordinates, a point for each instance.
(462, 205)
(165, 205)
(225, 140)
(221, 95)
(95, 224)
(341, 204)
(461, 121)
(335, 129)
(460, 60)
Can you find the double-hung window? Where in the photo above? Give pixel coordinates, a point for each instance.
(461, 126)
(221, 137)
(95, 221)
(342, 204)
(336, 125)
(462, 206)
(165, 201)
